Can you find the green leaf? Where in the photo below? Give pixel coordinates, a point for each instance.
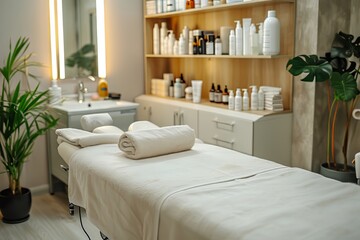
(315, 68)
(344, 86)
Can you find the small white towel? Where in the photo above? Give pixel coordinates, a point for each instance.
(91, 121)
(81, 138)
(157, 141)
(142, 125)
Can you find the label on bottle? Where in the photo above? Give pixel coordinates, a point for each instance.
(225, 99)
(212, 96)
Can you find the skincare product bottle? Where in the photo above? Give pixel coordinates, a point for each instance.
(185, 33)
(197, 3)
(159, 7)
(246, 36)
(171, 43)
(218, 46)
(103, 88)
(163, 32)
(170, 5)
(182, 45)
(190, 4)
(261, 38)
(254, 40)
(210, 45)
(183, 85)
(190, 43)
(238, 39)
(212, 93)
(238, 100)
(231, 100)
(177, 88)
(224, 35)
(232, 43)
(54, 92)
(271, 34)
(171, 89)
(156, 39)
(261, 98)
(254, 98)
(245, 100)
(218, 94)
(225, 96)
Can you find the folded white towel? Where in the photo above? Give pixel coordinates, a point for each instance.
(81, 138)
(157, 141)
(141, 125)
(91, 121)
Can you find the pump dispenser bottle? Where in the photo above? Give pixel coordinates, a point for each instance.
(55, 93)
(238, 100)
(231, 100)
(245, 100)
(238, 39)
(254, 98)
(232, 43)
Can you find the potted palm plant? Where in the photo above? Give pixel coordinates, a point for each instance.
(339, 68)
(23, 118)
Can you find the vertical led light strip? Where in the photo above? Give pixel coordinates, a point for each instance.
(61, 40)
(100, 22)
(54, 69)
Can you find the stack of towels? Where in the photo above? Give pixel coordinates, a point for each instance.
(273, 99)
(143, 140)
(160, 87)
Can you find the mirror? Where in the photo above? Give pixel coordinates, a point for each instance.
(79, 38)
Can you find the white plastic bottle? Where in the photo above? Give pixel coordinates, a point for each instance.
(182, 45)
(238, 100)
(55, 93)
(246, 36)
(238, 39)
(254, 40)
(177, 88)
(245, 100)
(163, 33)
(254, 98)
(232, 43)
(271, 34)
(261, 97)
(185, 33)
(261, 38)
(190, 43)
(156, 39)
(171, 43)
(218, 46)
(231, 100)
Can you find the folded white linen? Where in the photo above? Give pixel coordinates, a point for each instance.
(78, 137)
(91, 121)
(108, 129)
(141, 125)
(157, 141)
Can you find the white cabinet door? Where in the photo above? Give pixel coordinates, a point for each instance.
(226, 131)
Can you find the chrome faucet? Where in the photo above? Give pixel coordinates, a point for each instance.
(81, 92)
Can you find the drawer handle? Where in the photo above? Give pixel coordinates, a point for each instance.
(216, 138)
(217, 121)
(176, 117)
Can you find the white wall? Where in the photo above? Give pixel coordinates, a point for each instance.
(125, 71)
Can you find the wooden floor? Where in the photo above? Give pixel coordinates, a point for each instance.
(49, 220)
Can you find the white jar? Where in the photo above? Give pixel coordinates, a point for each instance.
(177, 88)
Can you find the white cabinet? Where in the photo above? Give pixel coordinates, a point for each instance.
(265, 136)
(123, 115)
(166, 113)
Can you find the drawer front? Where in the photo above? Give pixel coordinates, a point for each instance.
(226, 131)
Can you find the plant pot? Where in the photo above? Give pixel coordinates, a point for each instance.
(349, 176)
(15, 208)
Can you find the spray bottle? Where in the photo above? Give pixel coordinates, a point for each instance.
(254, 98)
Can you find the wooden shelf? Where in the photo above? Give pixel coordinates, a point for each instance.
(219, 56)
(221, 7)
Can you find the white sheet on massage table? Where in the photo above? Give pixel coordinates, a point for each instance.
(123, 197)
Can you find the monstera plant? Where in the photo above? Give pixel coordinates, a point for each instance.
(339, 68)
(23, 118)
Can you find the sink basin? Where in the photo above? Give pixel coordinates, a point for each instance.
(75, 107)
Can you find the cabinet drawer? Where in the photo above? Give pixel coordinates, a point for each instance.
(226, 131)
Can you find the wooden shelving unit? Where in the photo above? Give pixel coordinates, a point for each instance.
(233, 71)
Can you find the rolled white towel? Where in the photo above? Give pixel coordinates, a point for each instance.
(81, 138)
(157, 141)
(91, 121)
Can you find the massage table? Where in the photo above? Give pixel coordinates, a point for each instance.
(207, 192)
(180, 190)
